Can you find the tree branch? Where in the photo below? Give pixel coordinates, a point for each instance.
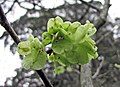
(102, 37)
(3, 2)
(11, 7)
(4, 22)
(86, 11)
(88, 4)
(98, 69)
(86, 75)
(103, 14)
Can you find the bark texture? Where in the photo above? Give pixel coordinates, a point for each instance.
(86, 75)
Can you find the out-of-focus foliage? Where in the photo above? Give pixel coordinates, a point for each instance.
(107, 39)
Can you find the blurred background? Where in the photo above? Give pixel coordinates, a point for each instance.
(31, 16)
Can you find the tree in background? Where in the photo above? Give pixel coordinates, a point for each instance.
(102, 69)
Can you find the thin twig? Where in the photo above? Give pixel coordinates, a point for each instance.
(90, 5)
(99, 23)
(98, 69)
(86, 11)
(4, 22)
(103, 15)
(3, 2)
(102, 37)
(11, 7)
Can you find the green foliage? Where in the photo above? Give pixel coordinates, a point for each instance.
(71, 44)
(34, 55)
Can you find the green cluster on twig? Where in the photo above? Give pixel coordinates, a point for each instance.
(71, 44)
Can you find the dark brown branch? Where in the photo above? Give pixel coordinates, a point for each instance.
(4, 22)
(3, 2)
(87, 9)
(31, 2)
(88, 4)
(11, 7)
(22, 6)
(103, 14)
(82, 17)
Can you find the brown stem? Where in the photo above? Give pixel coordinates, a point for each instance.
(88, 4)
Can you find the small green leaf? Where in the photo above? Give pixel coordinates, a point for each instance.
(24, 48)
(27, 62)
(91, 28)
(33, 54)
(65, 25)
(71, 57)
(60, 45)
(51, 57)
(90, 49)
(31, 38)
(62, 60)
(63, 32)
(59, 70)
(37, 43)
(91, 31)
(58, 20)
(90, 41)
(72, 28)
(40, 61)
(78, 55)
(46, 38)
(80, 34)
(51, 23)
(82, 55)
(53, 30)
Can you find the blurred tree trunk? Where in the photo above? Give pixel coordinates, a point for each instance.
(86, 75)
